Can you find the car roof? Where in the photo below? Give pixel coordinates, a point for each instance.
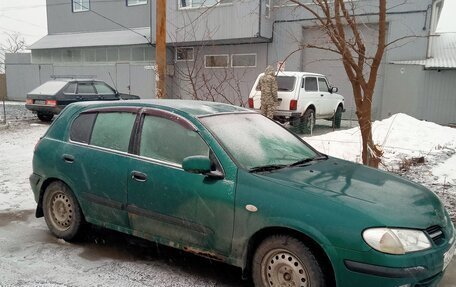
(190, 107)
(298, 74)
(75, 80)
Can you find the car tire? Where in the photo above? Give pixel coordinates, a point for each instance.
(283, 260)
(45, 117)
(62, 212)
(307, 121)
(337, 119)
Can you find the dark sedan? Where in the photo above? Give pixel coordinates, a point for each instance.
(51, 97)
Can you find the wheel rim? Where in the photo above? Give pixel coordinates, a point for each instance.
(61, 210)
(282, 268)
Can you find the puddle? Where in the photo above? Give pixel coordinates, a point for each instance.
(20, 215)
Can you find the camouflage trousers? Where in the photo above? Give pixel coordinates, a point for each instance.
(268, 109)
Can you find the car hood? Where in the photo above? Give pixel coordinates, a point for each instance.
(390, 200)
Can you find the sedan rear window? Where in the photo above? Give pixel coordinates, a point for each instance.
(49, 88)
(284, 83)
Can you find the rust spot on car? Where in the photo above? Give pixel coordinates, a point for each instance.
(204, 253)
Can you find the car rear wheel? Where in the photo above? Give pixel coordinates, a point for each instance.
(307, 121)
(45, 117)
(283, 260)
(337, 117)
(61, 211)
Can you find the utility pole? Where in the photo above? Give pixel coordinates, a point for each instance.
(160, 49)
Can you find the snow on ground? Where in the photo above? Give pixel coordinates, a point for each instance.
(31, 256)
(404, 138)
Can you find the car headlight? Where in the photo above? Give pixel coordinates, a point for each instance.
(395, 240)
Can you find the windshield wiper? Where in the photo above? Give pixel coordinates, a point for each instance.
(268, 167)
(309, 159)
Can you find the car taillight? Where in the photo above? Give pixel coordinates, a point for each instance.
(293, 105)
(251, 103)
(51, 102)
(29, 101)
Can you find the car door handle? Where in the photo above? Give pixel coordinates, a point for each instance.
(68, 158)
(138, 176)
(321, 95)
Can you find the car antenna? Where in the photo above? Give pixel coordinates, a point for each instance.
(115, 86)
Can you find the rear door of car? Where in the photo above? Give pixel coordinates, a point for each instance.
(311, 94)
(169, 204)
(96, 160)
(286, 91)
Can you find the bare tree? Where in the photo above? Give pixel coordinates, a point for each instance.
(338, 20)
(14, 43)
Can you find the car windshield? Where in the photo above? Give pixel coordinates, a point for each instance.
(255, 141)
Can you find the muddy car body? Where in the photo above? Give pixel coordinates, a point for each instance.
(229, 184)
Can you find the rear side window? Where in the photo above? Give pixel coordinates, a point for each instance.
(113, 130)
(70, 89)
(311, 84)
(82, 127)
(166, 140)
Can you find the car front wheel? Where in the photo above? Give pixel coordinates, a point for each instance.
(337, 117)
(61, 211)
(283, 260)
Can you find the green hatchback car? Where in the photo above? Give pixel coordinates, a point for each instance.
(229, 184)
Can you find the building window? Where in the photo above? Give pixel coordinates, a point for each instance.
(81, 5)
(202, 3)
(184, 54)
(243, 60)
(216, 61)
(136, 2)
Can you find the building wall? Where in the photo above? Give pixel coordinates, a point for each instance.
(424, 94)
(228, 84)
(62, 19)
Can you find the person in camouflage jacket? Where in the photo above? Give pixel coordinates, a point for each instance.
(268, 87)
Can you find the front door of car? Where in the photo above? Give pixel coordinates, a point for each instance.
(86, 92)
(327, 100)
(168, 204)
(310, 94)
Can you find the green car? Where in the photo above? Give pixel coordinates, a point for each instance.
(229, 184)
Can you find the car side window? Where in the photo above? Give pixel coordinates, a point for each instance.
(113, 130)
(311, 84)
(82, 127)
(85, 88)
(166, 140)
(70, 89)
(103, 89)
(323, 85)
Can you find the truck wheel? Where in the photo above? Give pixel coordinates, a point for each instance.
(307, 121)
(61, 211)
(337, 118)
(282, 260)
(45, 117)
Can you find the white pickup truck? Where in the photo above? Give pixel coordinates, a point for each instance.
(303, 97)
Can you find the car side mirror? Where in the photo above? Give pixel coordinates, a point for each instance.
(197, 164)
(200, 164)
(333, 90)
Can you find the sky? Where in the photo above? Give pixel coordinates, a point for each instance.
(28, 17)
